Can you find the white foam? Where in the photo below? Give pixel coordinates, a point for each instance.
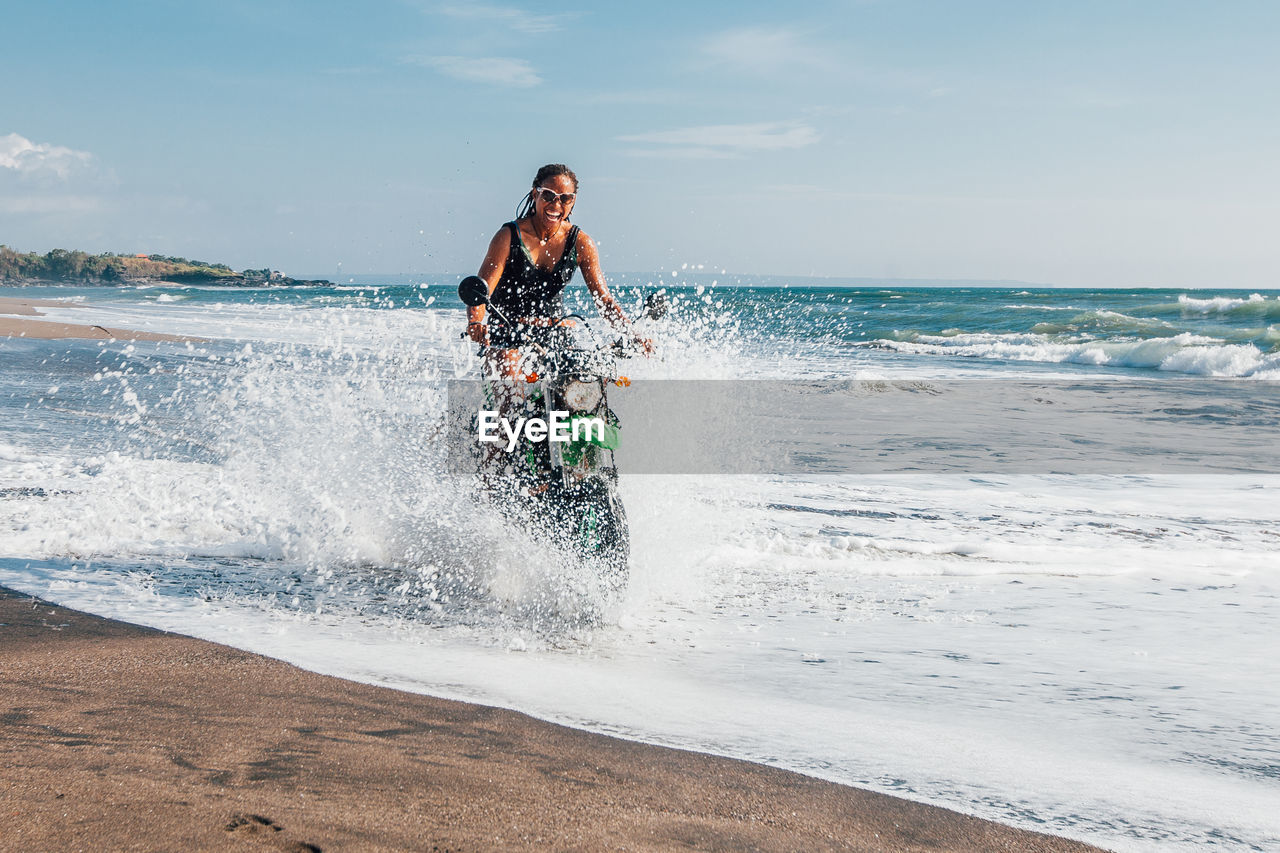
(1004, 695)
(1218, 304)
(1183, 353)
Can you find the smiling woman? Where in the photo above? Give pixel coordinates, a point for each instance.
(529, 262)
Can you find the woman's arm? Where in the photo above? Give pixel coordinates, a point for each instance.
(495, 261)
(589, 261)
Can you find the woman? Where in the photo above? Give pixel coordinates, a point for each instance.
(529, 262)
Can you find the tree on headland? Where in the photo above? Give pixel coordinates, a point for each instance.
(76, 267)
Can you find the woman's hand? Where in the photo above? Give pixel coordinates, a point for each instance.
(479, 333)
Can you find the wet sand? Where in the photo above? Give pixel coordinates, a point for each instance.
(16, 322)
(116, 737)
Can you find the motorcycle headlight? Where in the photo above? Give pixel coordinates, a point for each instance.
(582, 396)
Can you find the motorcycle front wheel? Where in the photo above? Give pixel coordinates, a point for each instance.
(595, 527)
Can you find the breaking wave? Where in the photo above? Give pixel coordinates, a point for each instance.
(1187, 353)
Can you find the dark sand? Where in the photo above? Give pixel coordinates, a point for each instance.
(115, 737)
(16, 322)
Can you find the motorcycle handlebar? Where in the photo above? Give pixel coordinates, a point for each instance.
(620, 347)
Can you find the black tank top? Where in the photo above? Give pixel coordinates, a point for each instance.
(525, 290)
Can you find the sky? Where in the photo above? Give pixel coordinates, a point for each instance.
(1087, 144)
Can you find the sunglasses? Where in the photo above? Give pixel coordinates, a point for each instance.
(549, 196)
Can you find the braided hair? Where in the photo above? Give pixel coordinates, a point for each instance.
(524, 208)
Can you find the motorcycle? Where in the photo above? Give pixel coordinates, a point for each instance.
(563, 491)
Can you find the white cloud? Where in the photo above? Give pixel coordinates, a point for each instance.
(493, 70)
(728, 139)
(34, 158)
(507, 16)
(765, 50)
(686, 152)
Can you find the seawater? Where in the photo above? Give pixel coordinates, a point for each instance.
(1086, 655)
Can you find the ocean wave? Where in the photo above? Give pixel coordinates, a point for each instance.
(1183, 353)
(816, 556)
(1255, 305)
(1111, 322)
(1218, 304)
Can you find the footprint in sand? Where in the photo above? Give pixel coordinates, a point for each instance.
(267, 831)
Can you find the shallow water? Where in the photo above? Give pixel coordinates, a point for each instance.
(1087, 655)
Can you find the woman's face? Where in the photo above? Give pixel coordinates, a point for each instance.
(553, 208)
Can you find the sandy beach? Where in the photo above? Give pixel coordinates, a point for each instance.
(16, 322)
(124, 738)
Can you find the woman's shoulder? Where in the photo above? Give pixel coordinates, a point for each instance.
(503, 235)
(584, 241)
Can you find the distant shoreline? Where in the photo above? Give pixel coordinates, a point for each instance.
(60, 267)
(696, 278)
(231, 281)
(16, 322)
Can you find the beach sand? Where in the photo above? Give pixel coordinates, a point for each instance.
(116, 737)
(16, 322)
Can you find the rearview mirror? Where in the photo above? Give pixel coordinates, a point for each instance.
(473, 291)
